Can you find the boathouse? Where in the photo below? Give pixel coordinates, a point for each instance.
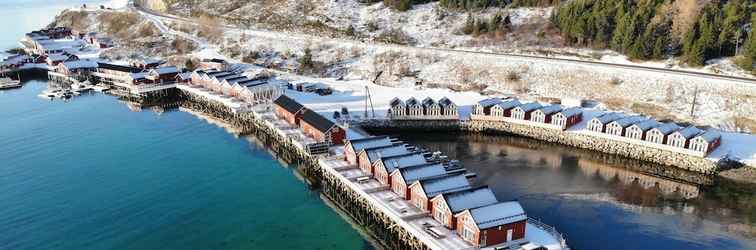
(414, 107)
(402, 177)
(544, 115)
(492, 224)
(618, 127)
(706, 142)
(354, 146)
(504, 109)
(57, 58)
(367, 158)
(523, 112)
(431, 108)
(638, 131)
(397, 108)
(76, 67)
(387, 164)
(446, 205)
(422, 190)
(484, 107)
(321, 129)
(567, 118)
(113, 73)
(288, 109)
(162, 75)
(598, 124)
(660, 133)
(681, 138)
(448, 108)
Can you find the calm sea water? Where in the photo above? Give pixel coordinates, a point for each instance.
(91, 174)
(601, 204)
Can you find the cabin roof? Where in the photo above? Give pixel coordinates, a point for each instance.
(667, 128)
(227, 76)
(288, 104)
(236, 79)
(689, 132)
(316, 120)
(571, 111)
(428, 101)
(166, 70)
(411, 101)
(551, 109)
(710, 135)
(58, 57)
(509, 104)
(445, 102)
(116, 67)
(629, 120)
(417, 172)
(647, 124)
(530, 106)
(460, 200)
(369, 142)
(80, 64)
(609, 117)
(398, 161)
(396, 102)
(498, 214)
(386, 151)
(443, 184)
(489, 102)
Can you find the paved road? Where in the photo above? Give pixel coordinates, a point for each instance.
(265, 33)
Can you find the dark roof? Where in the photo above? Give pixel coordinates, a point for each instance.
(118, 67)
(288, 104)
(316, 120)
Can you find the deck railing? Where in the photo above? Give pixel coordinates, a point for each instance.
(551, 230)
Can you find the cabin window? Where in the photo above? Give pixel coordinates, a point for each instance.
(468, 234)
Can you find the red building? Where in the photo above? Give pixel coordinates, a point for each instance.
(446, 205)
(402, 177)
(492, 224)
(422, 190)
(354, 146)
(387, 164)
(286, 108)
(369, 156)
(322, 129)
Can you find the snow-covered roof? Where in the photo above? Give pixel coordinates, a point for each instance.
(398, 161)
(80, 64)
(417, 172)
(167, 70)
(460, 200)
(369, 142)
(185, 75)
(571, 111)
(412, 101)
(489, 102)
(374, 154)
(428, 101)
(442, 184)
(609, 117)
(236, 79)
(667, 128)
(530, 106)
(647, 124)
(396, 102)
(498, 214)
(629, 120)
(509, 104)
(689, 132)
(445, 102)
(57, 57)
(551, 109)
(710, 135)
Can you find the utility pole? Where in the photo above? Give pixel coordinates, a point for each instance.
(368, 100)
(693, 105)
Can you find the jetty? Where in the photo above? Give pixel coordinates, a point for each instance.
(397, 222)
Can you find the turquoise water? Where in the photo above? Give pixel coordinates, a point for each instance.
(91, 174)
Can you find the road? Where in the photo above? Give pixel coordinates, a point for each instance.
(152, 15)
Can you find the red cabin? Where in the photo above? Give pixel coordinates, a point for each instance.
(492, 224)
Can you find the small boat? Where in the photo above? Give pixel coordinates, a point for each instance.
(100, 88)
(7, 83)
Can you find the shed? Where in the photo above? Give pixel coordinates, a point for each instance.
(638, 131)
(321, 129)
(660, 133)
(598, 124)
(681, 138)
(567, 118)
(367, 158)
(706, 141)
(492, 224)
(544, 115)
(289, 109)
(524, 111)
(402, 177)
(422, 190)
(354, 146)
(504, 109)
(445, 206)
(617, 127)
(387, 164)
(484, 107)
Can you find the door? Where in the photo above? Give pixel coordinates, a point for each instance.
(509, 235)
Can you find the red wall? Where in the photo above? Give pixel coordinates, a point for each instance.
(498, 235)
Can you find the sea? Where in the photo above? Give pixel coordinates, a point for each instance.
(96, 173)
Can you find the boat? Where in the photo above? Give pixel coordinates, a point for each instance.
(7, 83)
(100, 88)
(81, 87)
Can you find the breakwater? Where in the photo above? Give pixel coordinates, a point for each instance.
(334, 186)
(578, 140)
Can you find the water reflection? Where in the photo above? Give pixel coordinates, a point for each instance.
(562, 184)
